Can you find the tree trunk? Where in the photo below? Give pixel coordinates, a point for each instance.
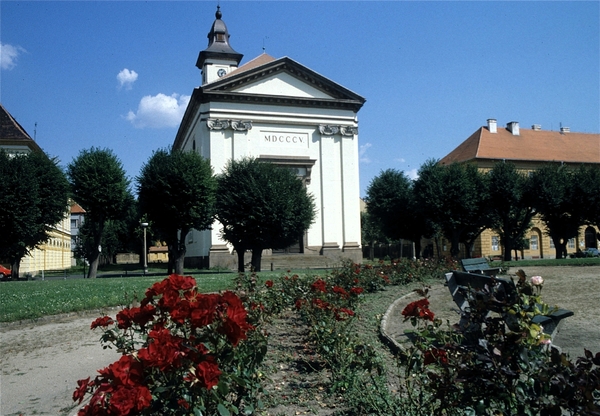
(240, 255)
(417, 253)
(15, 267)
(256, 259)
(93, 269)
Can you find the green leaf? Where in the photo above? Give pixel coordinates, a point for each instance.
(223, 410)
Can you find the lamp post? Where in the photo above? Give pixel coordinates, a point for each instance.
(144, 226)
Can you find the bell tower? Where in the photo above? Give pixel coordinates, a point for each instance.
(219, 58)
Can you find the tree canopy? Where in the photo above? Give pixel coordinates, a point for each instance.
(261, 206)
(176, 191)
(392, 207)
(453, 200)
(33, 199)
(100, 186)
(554, 200)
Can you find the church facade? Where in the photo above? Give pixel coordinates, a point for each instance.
(278, 111)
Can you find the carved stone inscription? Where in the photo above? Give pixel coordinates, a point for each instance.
(269, 138)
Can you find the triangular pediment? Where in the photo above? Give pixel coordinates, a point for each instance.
(282, 84)
(282, 77)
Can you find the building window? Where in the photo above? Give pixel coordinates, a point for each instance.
(533, 243)
(571, 243)
(495, 243)
(552, 243)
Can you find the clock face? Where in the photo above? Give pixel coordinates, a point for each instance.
(221, 72)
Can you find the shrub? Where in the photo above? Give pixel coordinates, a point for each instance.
(183, 352)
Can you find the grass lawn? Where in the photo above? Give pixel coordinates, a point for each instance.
(34, 299)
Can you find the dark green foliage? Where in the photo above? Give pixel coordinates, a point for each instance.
(454, 201)
(587, 193)
(176, 192)
(261, 206)
(554, 200)
(392, 209)
(33, 199)
(510, 205)
(99, 185)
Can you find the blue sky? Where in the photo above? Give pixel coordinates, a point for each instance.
(118, 74)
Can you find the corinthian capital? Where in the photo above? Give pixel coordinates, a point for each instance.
(241, 125)
(348, 130)
(216, 124)
(328, 130)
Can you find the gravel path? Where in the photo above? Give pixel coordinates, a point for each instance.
(42, 361)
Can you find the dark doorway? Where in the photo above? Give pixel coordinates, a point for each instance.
(296, 248)
(590, 238)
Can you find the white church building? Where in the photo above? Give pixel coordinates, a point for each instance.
(282, 112)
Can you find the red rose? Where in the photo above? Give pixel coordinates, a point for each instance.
(343, 313)
(179, 282)
(269, 283)
(126, 399)
(203, 309)
(418, 309)
(319, 286)
(356, 290)
(127, 371)
(79, 393)
(124, 319)
(208, 374)
(340, 291)
(320, 304)
(103, 321)
(435, 355)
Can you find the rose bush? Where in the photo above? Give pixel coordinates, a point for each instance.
(183, 352)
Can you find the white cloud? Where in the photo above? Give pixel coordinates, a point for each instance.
(126, 78)
(159, 111)
(400, 160)
(412, 174)
(362, 156)
(9, 55)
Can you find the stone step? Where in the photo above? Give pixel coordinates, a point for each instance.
(297, 261)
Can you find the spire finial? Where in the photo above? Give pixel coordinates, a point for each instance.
(218, 14)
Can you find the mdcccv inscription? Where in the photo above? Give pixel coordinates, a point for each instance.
(275, 138)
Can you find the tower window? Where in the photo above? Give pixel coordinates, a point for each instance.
(220, 37)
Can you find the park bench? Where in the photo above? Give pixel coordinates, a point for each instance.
(470, 289)
(479, 265)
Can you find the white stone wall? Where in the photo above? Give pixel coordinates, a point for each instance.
(289, 132)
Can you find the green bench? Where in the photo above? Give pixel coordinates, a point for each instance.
(496, 293)
(479, 265)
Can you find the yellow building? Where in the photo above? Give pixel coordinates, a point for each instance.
(55, 254)
(527, 149)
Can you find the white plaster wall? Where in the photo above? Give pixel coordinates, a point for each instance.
(334, 178)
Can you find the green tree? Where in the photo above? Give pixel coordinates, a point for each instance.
(510, 205)
(554, 200)
(99, 185)
(392, 207)
(176, 191)
(33, 199)
(587, 194)
(261, 206)
(454, 201)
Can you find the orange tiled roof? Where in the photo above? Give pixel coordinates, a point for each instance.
(261, 59)
(77, 209)
(529, 145)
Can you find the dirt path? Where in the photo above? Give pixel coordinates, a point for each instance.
(42, 361)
